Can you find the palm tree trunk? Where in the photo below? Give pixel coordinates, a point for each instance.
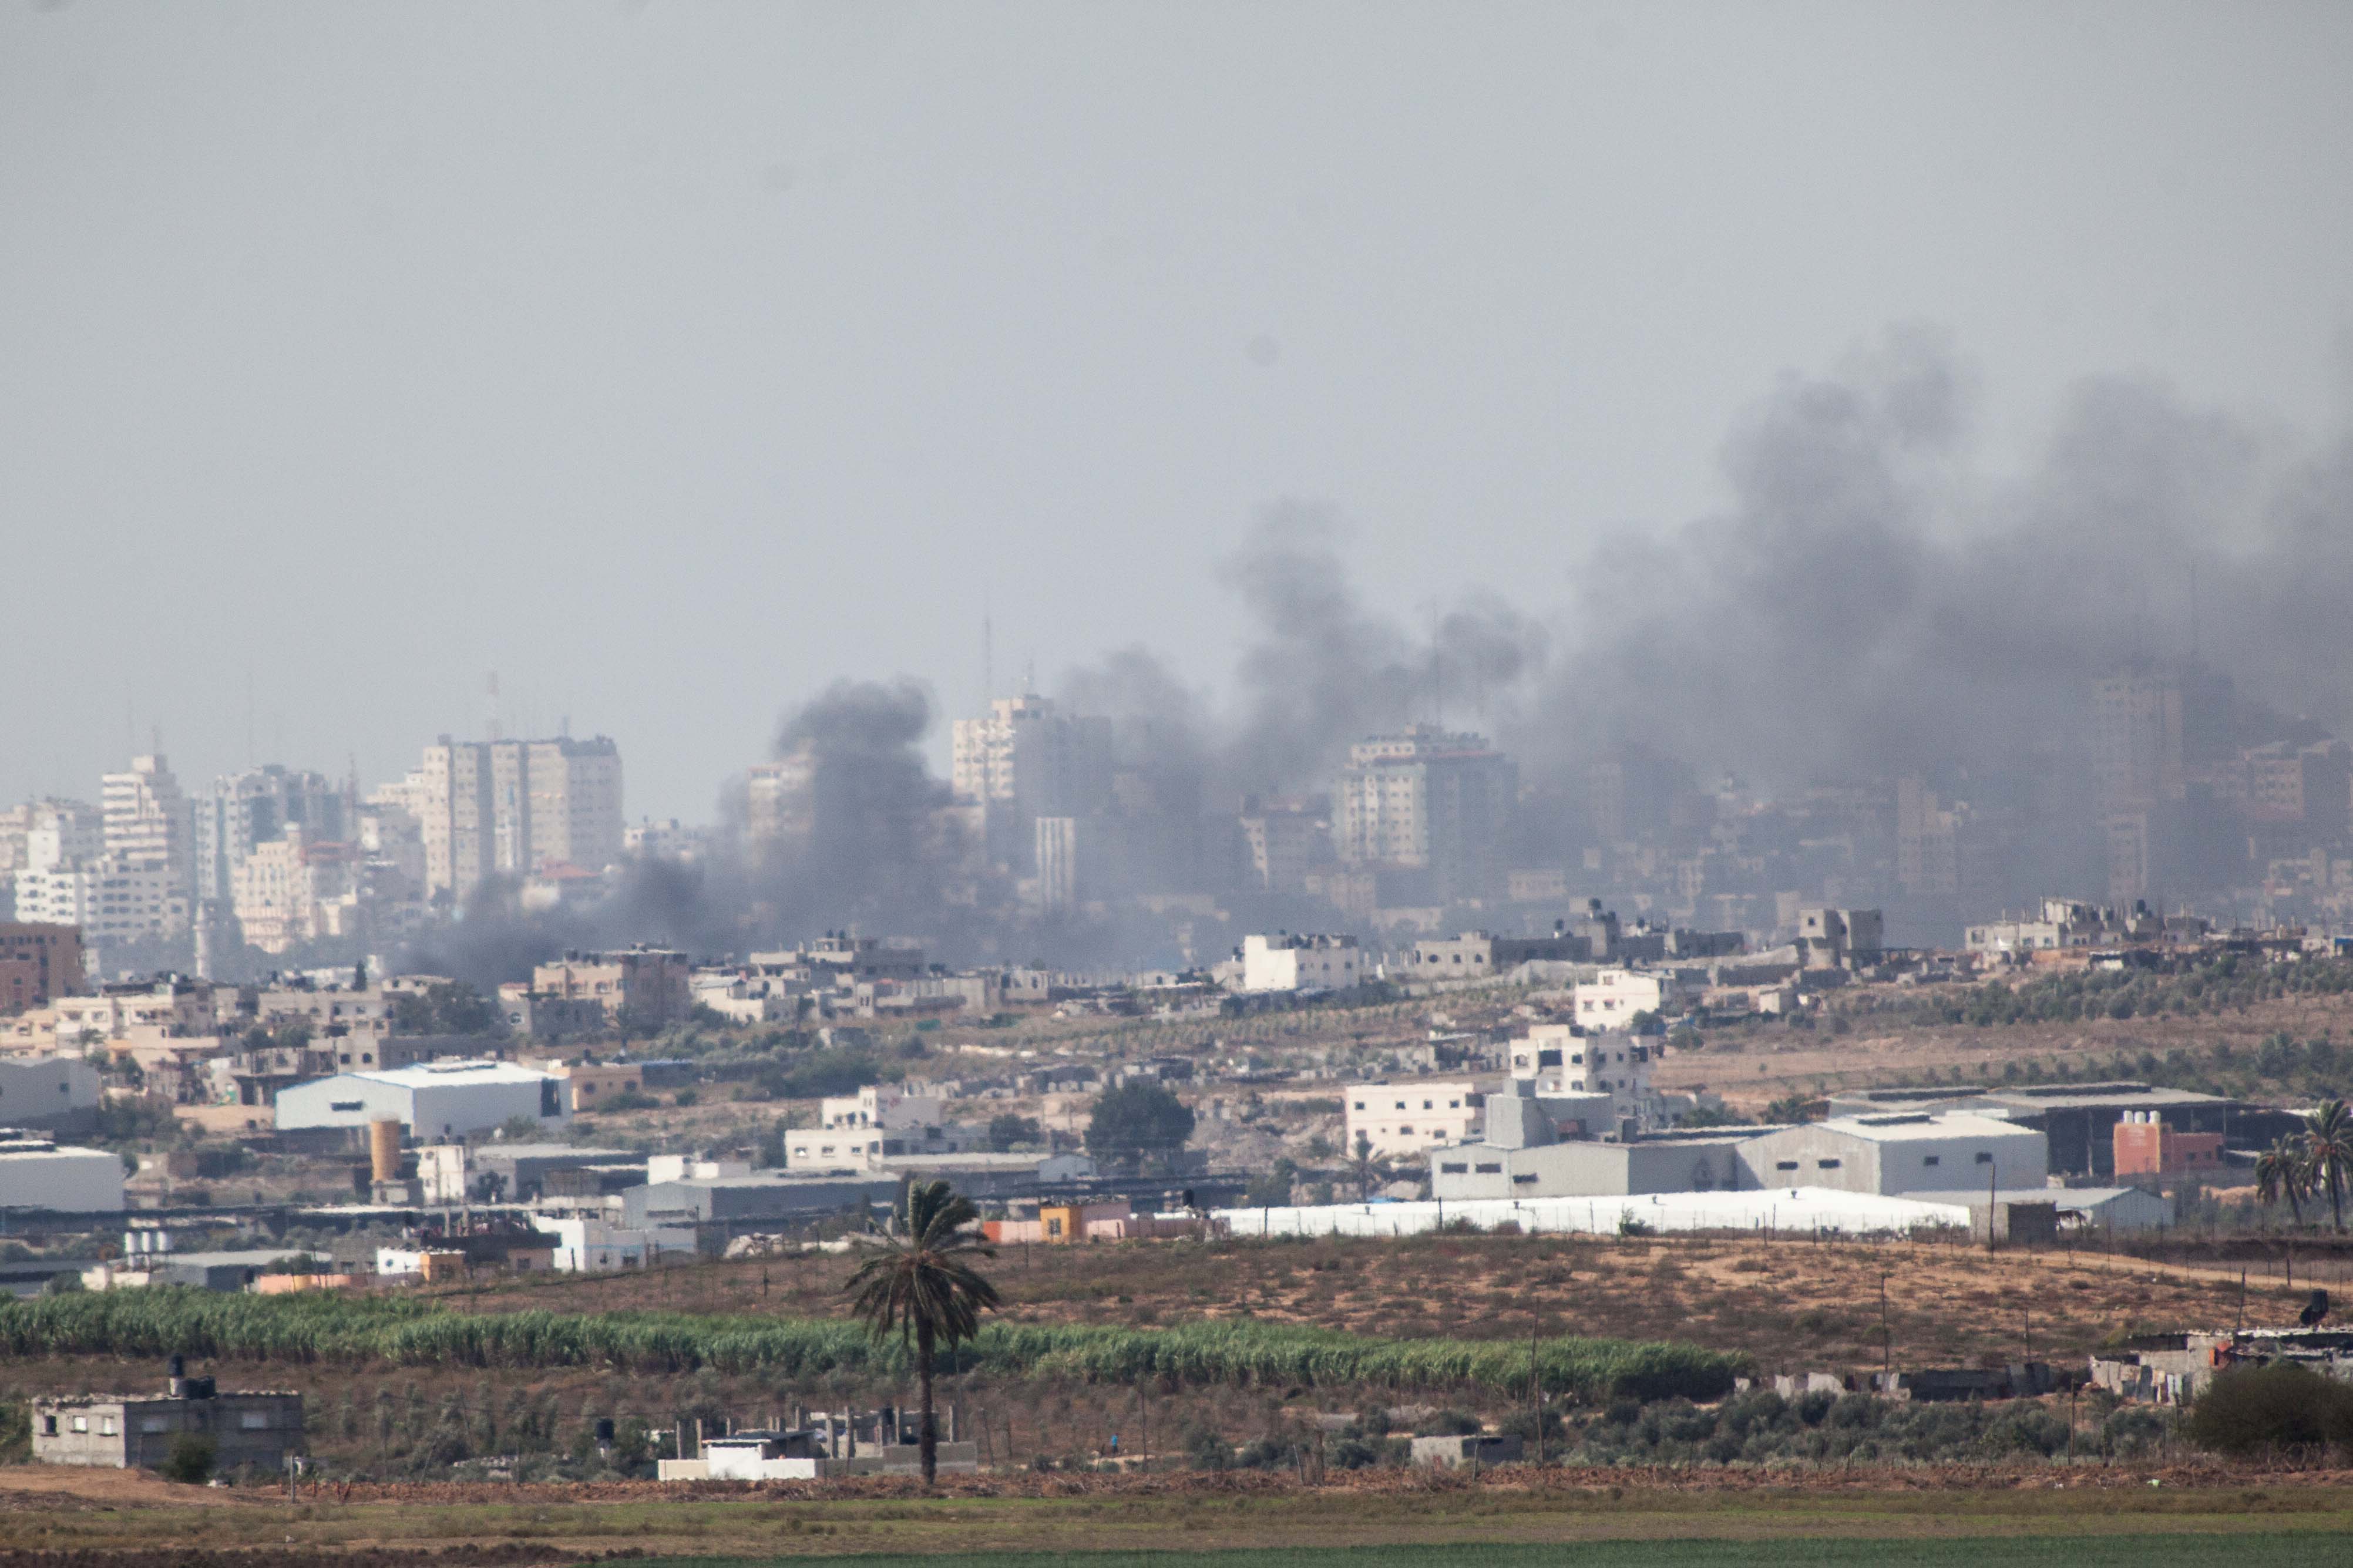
(2335, 1203)
(929, 1437)
(2295, 1207)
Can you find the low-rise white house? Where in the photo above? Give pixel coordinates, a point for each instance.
(1302, 963)
(1613, 997)
(1405, 1120)
(435, 1100)
(880, 1124)
(593, 1246)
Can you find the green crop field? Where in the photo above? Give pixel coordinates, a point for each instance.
(338, 1329)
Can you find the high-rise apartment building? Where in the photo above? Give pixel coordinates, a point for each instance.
(1027, 760)
(1426, 800)
(780, 802)
(243, 811)
(148, 821)
(487, 808)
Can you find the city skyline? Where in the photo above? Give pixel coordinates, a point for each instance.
(632, 393)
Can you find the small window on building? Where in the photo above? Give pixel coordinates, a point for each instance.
(1932, 1160)
(1984, 1159)
(1785, 1165)
(48, 1425)
(1491, 1167)
(153, 1423)
(1826, 1164)
(106, 1426)
(1529, 1178)
(82, 1422)
(343, 1105)
(1452, 1168)
(254, 1421)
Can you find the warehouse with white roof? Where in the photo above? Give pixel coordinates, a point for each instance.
(433, 1100)
(35, 1174)
(1909, 1151)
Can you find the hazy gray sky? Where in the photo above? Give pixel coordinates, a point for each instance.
(671, 360)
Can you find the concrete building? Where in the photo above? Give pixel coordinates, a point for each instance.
(1426, 800)
(2146, 1146)
(1302, 963)
(56, 1094)
(2078, 1120)
(112, 902)
(515, 807)
(1839, 939)
(748, 1202)
(504, 1172)
(38, 963)
(239, 812)
(1649, 1163)
(149, 824)
(134, 1432)
(1029, 759)
(1896, 1154)
(1282, 839)
(1524, 1153)
(36, 1174)
(440, 1102)
(283, 890)
(549, 1019)
(876, 1127)
(644, 987)
(593, 1246)
(1475, 955)
(1612, 997)
(1406, 1121)
(589, 1085)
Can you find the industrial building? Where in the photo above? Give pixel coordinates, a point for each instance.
(1908, 1152)
(1699, 1161)
(2083, 1211)
(55, 1094)
(440, 1100)
(36, 1174)
(745, 1201)
(135, 1432)
(2079, 1120)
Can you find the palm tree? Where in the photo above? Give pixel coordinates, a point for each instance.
(2328, 1153)
(922, 1286)
(2280, 1173)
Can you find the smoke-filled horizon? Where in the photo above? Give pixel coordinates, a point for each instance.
(1870, 604)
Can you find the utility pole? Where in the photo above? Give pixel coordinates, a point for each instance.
(1887, 1337)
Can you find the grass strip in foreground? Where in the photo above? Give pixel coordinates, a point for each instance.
(2285, 1549)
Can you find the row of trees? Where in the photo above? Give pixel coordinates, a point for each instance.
(2318, 1159)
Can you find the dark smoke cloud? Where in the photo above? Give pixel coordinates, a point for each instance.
(880, 849)
(1867, 604)
(1865, 608)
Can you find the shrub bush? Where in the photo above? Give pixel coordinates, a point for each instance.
(2272, 1409)
(190, 1462)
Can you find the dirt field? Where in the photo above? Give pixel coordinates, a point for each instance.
(1793, 1304)
(570, 1524)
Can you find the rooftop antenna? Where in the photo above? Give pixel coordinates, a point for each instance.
(490, 701)
(250, 758)
(1030, 678)
(988, 659)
